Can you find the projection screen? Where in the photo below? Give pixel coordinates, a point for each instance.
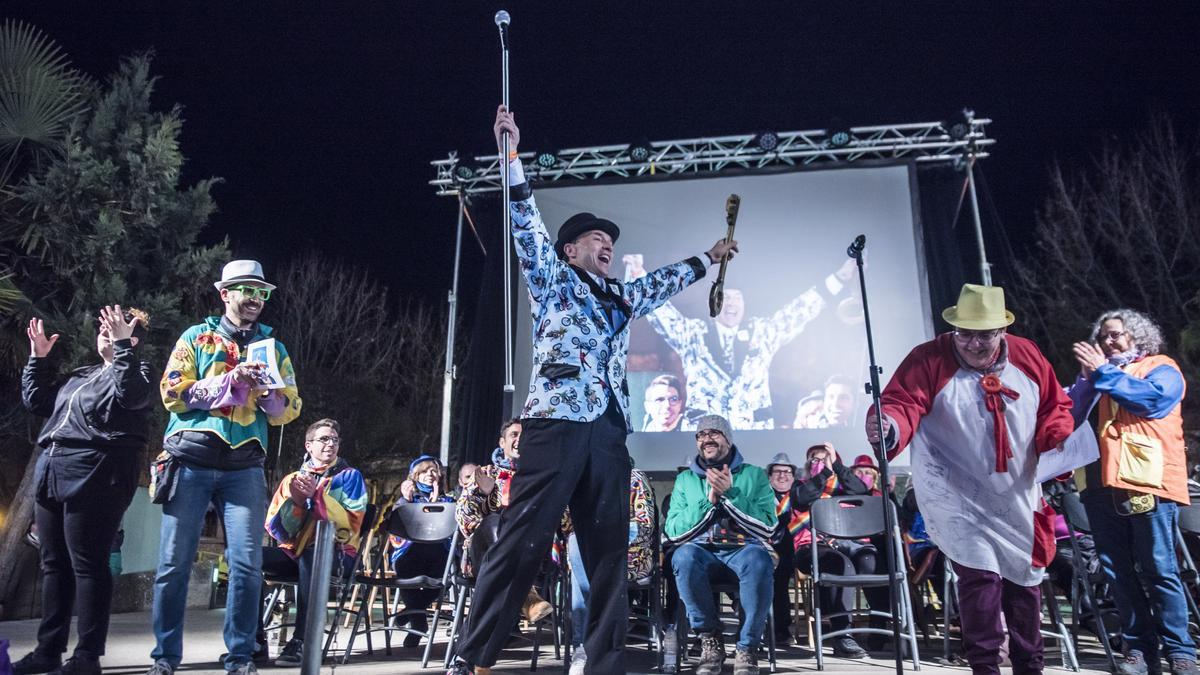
(787, 358)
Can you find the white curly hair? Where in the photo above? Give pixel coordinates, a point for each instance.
(1144, 332)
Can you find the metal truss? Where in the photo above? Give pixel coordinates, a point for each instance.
(922, 142)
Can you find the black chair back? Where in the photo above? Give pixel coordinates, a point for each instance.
(1189, 519)
(849, 516)
(1074, 512)
(423, 523)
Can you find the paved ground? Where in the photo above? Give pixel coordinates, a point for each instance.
(130, 642)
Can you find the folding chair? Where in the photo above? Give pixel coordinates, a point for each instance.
(859, 518)
(340, 586)
(420, 523)
(1083, 583)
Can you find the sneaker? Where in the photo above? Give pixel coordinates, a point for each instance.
(535, 608)
(247, 668)
(1133, 663)
(847, 648)
(33, 663)
(78, 665)
(460, 667)
(161, 667)
(712, 654)
(292, 653)
(578, 661)
(744, 662)
(1184, 666)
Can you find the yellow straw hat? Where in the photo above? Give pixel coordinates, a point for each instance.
(979, 308)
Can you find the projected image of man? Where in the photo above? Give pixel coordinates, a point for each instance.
(837, 403)
(727, 360)
(664, 404)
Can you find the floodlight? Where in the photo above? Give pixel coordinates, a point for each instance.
(640, 151)
(545, 159)
(767, 141)
(958, 125)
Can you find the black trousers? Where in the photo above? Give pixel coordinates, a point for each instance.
(76, 538)
(584, 465)
(278, 563)
(784, 571)
(844, 559)
(421, 560)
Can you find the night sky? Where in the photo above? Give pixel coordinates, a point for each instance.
(322, 118)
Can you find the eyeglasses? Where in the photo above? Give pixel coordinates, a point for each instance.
(1114, 335)
(708, 433)
(966, 336)
(253, 292)
(326, 440)
(670, 399)
(781, 472)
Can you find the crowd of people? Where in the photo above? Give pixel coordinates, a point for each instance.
(977, 407)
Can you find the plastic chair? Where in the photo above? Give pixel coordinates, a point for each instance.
(858, 517)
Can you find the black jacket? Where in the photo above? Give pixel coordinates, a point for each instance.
(98, 420)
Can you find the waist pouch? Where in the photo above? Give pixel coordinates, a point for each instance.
(164, 477)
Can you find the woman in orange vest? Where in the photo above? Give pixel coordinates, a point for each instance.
(1132, 493)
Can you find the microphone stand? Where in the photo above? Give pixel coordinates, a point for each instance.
(855, 251)
(502, 20)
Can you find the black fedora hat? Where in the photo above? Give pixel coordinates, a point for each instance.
(582, 223)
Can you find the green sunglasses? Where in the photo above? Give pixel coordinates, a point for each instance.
(252, 292)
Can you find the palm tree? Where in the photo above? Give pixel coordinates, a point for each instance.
(40, 95)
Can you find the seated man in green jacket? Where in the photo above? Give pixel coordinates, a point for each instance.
(719, 525)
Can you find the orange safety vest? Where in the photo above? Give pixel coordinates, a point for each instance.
(1117, 423)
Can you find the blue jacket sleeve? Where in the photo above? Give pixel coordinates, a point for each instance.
(1152, 397)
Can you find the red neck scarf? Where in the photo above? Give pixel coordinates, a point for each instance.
(994, 393)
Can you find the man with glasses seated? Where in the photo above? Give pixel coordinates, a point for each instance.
(213, 452)
(718, 528)
(978, 407)
(326, 488)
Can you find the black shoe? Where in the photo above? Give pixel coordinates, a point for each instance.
(33, 663)
(292, 654)
(783, 639)
(847, 648)
(78, 665)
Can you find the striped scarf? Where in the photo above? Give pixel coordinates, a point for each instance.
(799, 528)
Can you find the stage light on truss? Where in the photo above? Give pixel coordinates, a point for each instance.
(464, 170)
(640, 151)
(840, 138)
(545, 159)
(958, 125)
(766, 141)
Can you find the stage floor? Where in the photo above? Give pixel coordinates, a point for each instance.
(130, 642)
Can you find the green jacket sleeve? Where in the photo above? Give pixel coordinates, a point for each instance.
(690, 509)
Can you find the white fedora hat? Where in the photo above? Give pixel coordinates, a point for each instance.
(241, 271)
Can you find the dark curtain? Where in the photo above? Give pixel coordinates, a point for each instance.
(949, 245)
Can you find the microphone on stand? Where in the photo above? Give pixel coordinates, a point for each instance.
(855, 249)
(502, 21)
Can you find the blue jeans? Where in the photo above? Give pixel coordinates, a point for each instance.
(1147, 540)
(241, 500)
(750, 566)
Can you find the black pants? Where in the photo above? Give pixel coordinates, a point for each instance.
(76, 540)
(784, 571)
(584, 465)
(421, 560)
(278, 563)
(845, 559)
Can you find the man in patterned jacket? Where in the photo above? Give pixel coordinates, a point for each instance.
(727, 360)
(574, 422)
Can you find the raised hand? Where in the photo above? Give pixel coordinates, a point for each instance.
(1089, 356)
(635, 266)
(303, 486)
(484, 482)
(506, 122)
(112, 323)
(407, 489)
(722, 250)
(39, 344)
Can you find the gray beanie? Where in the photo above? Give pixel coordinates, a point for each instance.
(716, 423)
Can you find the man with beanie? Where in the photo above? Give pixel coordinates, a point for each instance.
(574, 421)
(719, 528)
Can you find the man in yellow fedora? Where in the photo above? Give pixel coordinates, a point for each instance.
(978, 406)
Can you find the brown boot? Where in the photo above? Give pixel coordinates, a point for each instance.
(535, 608)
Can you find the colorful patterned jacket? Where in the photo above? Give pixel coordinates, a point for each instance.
(642, 514)
(341, 499)
(473, 504)
(739, 391)
(578, 354)
(200, 396)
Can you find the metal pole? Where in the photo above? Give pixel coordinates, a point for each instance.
(985, 268)
(451, 322)
(502, 22)
(318, 596)
(855, 251)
